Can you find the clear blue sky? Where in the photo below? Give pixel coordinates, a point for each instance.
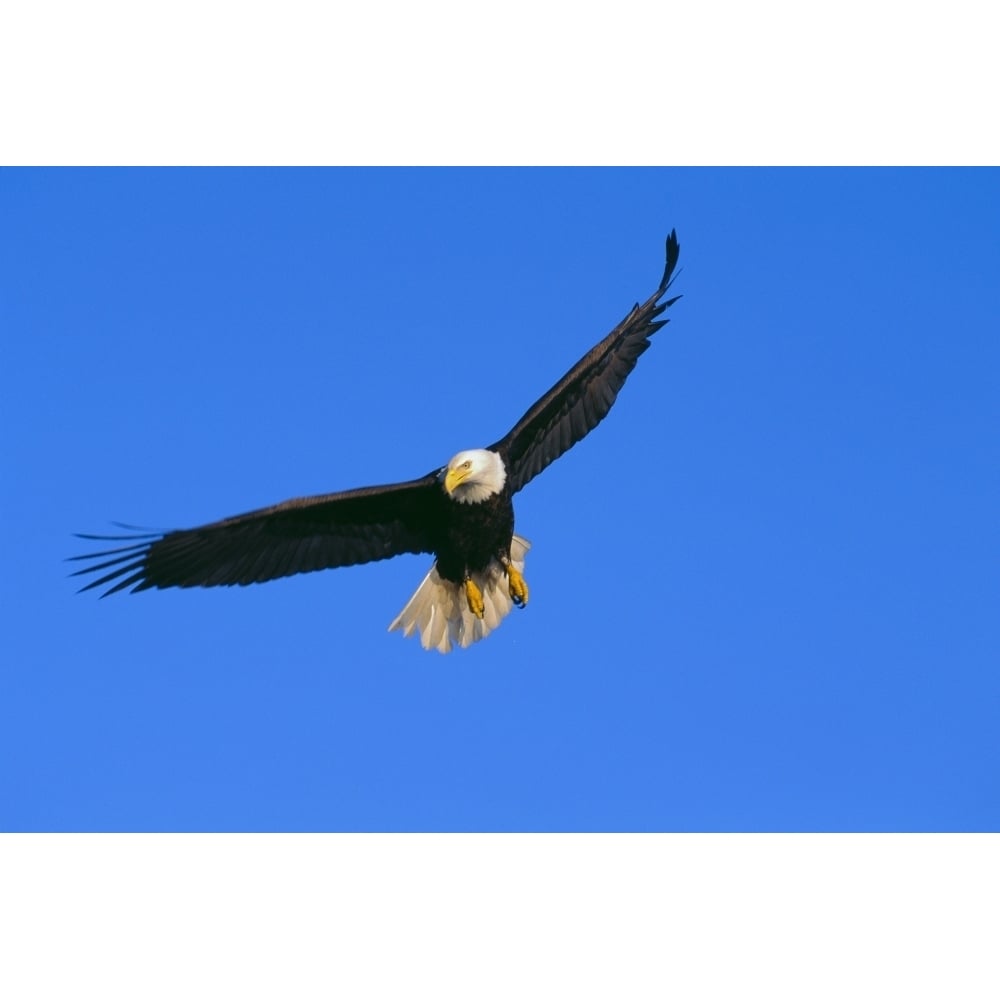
(764, 591)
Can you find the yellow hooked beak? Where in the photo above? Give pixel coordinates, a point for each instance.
(455, 477)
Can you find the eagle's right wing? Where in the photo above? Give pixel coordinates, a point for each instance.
(298, 536)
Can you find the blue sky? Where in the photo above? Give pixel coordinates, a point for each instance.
(764, 591)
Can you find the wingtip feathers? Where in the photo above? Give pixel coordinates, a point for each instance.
(673, 252)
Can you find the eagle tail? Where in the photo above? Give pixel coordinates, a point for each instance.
(439, 612)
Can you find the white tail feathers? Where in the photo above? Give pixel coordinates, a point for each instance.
(439, 610)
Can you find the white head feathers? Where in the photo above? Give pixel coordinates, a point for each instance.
(474, 475)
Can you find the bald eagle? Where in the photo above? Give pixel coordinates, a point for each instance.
(463, 513)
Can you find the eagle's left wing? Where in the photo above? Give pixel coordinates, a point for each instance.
(582, 398)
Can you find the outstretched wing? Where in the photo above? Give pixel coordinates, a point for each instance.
(573, 407)
(298, 536)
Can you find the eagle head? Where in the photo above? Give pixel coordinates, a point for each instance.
(473, 476)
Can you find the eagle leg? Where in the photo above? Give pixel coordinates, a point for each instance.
(475, 597)
(515, 583)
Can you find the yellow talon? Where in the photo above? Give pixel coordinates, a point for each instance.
(475, 598)
(518, 588)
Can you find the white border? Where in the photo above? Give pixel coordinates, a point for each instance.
(499, 916)
(524, 83)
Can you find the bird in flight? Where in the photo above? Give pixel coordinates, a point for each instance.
(463, 513)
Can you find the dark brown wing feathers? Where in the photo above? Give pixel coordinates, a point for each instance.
(298, 536)
(342, 529)
(576, 404)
